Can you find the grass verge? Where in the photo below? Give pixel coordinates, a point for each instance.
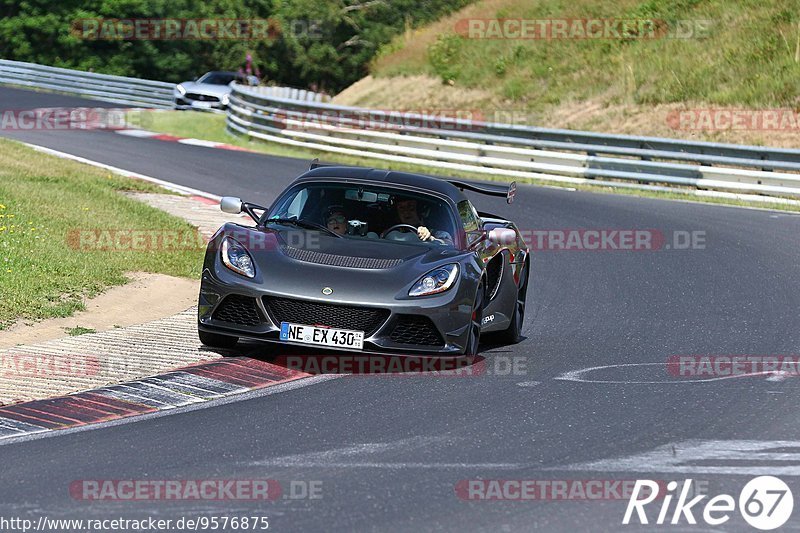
(720, 52)
(211, 127)
(677, 68)
(79, 330)
(44, 200)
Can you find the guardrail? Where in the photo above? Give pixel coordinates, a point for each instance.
(289, 93)
(120, 89)
(519, 151)
(116, 89)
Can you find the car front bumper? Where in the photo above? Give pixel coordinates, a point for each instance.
(184, 102)
(445, 316)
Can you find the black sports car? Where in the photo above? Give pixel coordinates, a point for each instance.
(362, 259)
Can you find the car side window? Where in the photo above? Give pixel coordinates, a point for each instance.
(296, 207)
(469, 219)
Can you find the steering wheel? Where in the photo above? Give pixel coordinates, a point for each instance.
(404, 227)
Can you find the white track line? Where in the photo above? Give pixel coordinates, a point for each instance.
(127, 173)
(137, 133)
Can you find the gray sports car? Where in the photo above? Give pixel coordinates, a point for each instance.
(366, 260)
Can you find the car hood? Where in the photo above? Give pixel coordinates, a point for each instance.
(301, 264)
(206, 88)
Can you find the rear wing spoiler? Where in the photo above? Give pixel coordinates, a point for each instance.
(505, 191)
(316, 163)
(508, 192)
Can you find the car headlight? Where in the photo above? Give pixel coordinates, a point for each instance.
(437, 280)
(180, 89)
(226, 98)
(235, 257)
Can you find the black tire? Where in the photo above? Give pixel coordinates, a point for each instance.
(513, 334)
(474, 335)
(215, 340)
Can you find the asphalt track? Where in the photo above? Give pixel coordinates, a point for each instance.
(389, 450)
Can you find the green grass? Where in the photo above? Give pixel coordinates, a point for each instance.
(43, 201)
(748, 56)
(208, 126)
(79, 330)
(212, 128)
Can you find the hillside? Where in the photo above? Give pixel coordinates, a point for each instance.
(700, 55)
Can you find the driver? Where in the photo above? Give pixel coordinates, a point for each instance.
(407, 213)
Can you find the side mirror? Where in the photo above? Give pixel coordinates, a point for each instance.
(230, 204)
(503, 236)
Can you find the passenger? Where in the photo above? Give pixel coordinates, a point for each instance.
(335, 220)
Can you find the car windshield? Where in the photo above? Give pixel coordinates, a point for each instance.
(217, 78)
(367, 212)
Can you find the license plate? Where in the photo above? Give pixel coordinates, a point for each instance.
(201, 105)
(338, 338)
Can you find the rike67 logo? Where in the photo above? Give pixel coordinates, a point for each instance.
(765, 503)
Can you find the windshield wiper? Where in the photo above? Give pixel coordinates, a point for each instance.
(304, 224)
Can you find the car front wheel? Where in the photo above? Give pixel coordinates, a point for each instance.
(513, 334)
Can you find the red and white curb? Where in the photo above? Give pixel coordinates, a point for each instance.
(191, 385)
(144, 134)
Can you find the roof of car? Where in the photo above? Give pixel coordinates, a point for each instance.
(418, 181)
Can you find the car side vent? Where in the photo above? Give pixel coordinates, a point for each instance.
(494, 274)
(346, 261)
(238, 310)
(418, 330)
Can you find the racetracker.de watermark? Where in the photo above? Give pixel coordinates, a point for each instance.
(522, 490)
(65, 119)
(705, 366)
(249, 490)
(165, 240)
(582, 29)
(24, 365)
(200, 29)
(603, 240)
(385, 119)
(378, 364)
(775, 120)
(175, 489)
(127, 240)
